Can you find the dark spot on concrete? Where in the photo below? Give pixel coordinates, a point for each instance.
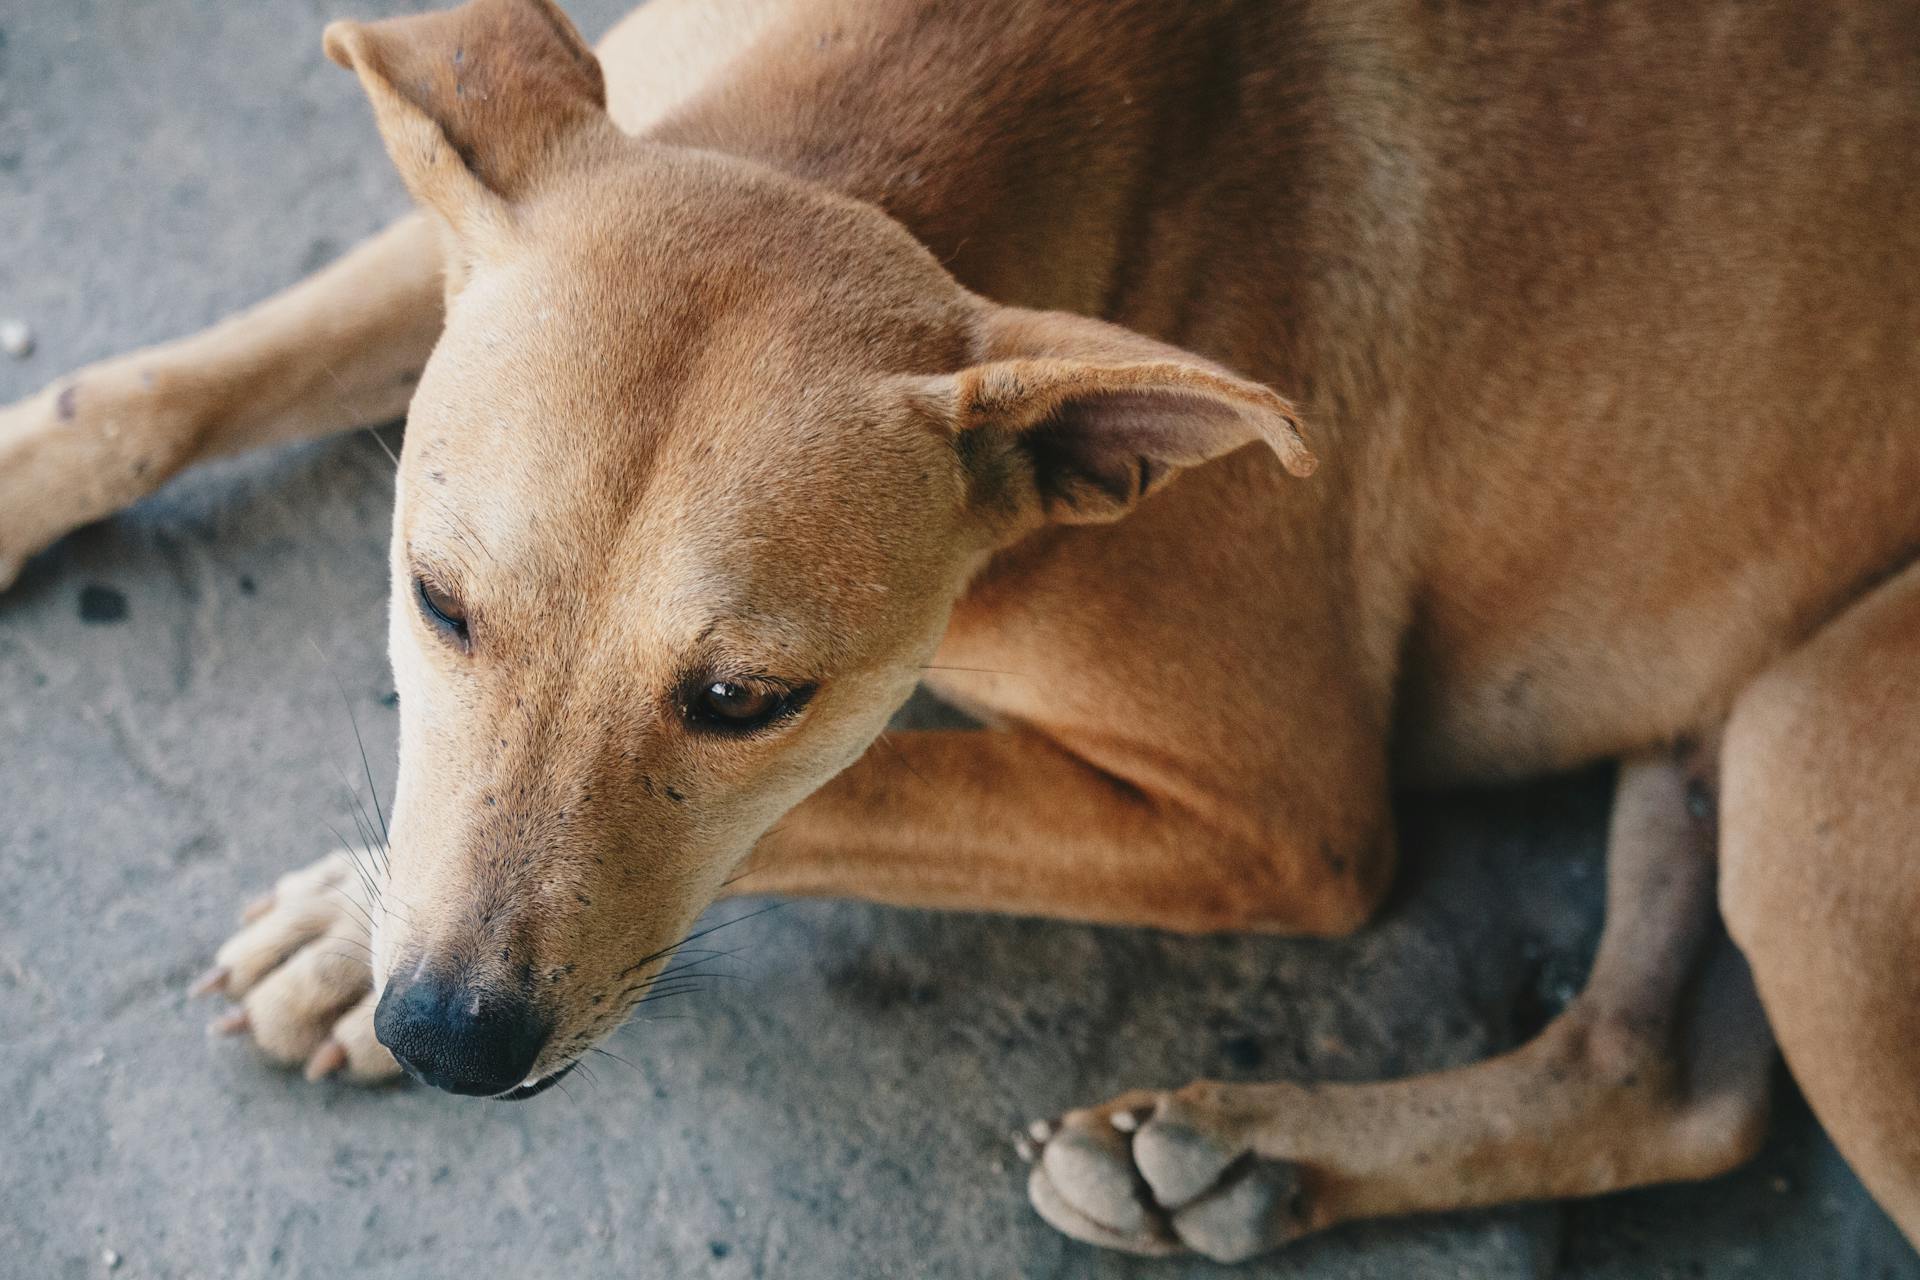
(883, 985)
(675, 796)
(9, 162)
(390, 699)
(1243, 1053)
(247, 585)
(1549, 981)
(198, 849)
(102, 605)
(320, 251)
(719, 1248)
(1699, 800)
(64, 405)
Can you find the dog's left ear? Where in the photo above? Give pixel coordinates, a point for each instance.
(480, 104)
(1080, 419)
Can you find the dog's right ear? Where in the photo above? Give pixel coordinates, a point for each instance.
(479, 105)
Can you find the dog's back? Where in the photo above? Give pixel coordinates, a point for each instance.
(1587, 303)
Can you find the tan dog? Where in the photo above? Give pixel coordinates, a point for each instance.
(1604, 319)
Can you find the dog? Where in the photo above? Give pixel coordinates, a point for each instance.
(782, 358)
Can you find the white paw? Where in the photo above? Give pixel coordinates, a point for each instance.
(1162, 1173)
(300, 969)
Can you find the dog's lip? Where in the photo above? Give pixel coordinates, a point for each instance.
(534, 1088)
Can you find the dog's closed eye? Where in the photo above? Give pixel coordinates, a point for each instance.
(442, 610)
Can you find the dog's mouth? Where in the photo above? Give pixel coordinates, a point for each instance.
(534, 1088)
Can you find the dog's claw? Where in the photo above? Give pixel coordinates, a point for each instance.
(1042, 1131)
(229, 1024)
(214, 979)
(327, 1059)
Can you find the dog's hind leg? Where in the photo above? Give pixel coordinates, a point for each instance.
(336, 351)
(1658, 1072)
(1822, 879)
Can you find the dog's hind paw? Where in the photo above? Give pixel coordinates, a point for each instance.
(1162, 1173)
(300, 969)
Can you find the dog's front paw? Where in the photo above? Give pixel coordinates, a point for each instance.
(300, 968)
(1162, 1173)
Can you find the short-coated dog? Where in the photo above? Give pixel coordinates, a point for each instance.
(785, 356)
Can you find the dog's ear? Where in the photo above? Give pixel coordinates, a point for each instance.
(480, 104)
(1080, 419)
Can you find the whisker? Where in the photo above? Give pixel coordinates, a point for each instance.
(366, 766)
(384, 446)
(353, 860)
(695, 937)
(682, 975)
(901, 756)
(608, 1053)
(360, 912)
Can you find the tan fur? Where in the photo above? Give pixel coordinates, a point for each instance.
(1600, 320)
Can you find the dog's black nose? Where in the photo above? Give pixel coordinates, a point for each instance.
(458, 1037)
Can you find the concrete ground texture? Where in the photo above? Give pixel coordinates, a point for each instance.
(175, 693)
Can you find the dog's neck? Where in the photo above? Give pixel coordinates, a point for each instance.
(1026, 147)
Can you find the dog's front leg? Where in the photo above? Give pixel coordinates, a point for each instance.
(334, 352)
(1009, 821)
(1658, 1072)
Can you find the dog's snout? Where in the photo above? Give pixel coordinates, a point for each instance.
(460, 1037)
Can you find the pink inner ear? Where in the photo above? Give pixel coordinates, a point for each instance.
(1125, 442)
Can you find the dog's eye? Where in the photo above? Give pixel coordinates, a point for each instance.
(441, 609)
(741, 706)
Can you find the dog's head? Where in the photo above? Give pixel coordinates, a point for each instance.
(700, 464)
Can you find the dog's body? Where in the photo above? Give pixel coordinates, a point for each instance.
(1603, 322)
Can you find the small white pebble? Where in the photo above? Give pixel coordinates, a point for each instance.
(1040, 1131)
(16, 338)
(110, 1259)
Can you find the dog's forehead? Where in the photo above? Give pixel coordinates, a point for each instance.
(731, 498)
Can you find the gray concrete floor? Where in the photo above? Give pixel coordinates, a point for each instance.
(172, 737)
